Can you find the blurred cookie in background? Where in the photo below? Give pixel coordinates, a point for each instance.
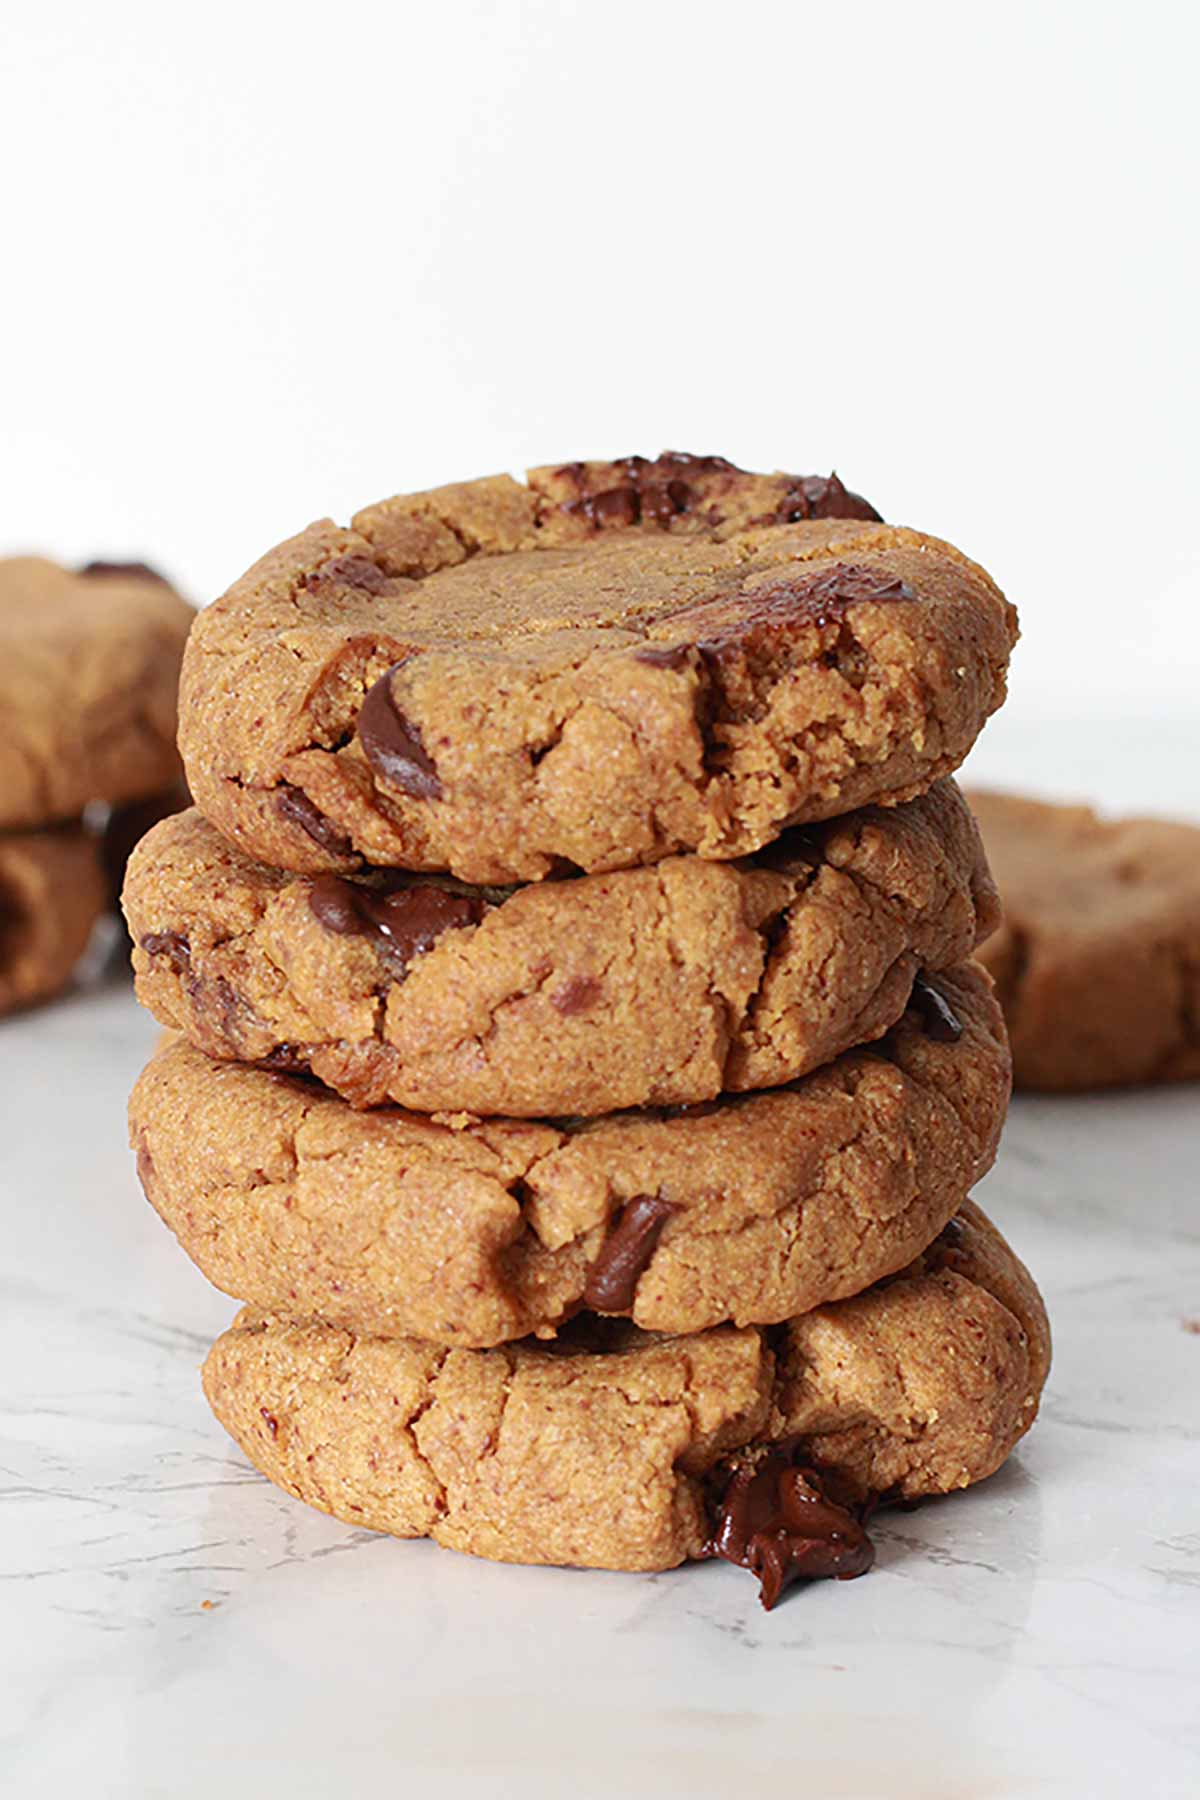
(89, 668)
(1097, 963)
(52, 891)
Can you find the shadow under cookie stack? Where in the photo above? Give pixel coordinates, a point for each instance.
(581, 1070)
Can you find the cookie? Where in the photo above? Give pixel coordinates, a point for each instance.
(749, 1209)
(618, 1449)
(1098, 959)
(608, 666)
(89, 664)
(52, 891)
(659, 986)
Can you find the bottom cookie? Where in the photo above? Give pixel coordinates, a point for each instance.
(613, 1448)
(52, 891)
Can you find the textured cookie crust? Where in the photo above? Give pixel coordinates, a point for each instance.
(569, 1454)
(612, 664)
(52, 891)
(659, 986)
(89, 665)
(1097, 962)
(751, 1210)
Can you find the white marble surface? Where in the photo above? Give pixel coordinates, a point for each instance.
(171, 1625)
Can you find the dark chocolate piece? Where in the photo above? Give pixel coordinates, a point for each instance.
(393, 746)
(402, 917)
(295, 806)
(351, 571)
(777, 1519)
(613, 1277)
(171, 944)
(819, 597)
(938, 1018)
(576, 995)
(823, 497)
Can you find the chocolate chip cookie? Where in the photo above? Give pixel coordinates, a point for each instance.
(89, 664)
(1098, 959)
(657, 986)
(749, 1209)
(616, 1449)
(610, 665)
(52, 891)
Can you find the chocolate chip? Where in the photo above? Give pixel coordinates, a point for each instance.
(393, 746)
(938, 1018)
(822, 497)
(613, 1277)
(171, 944)
(404, 919)
(674, 656)
(131, 571)
(576, 995)
(353, 572)
(270, 1421)
(820, 597)
(615, 506)
(294, 805)
(777, 1519)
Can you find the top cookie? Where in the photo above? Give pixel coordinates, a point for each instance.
(89, 664)
(611, 664)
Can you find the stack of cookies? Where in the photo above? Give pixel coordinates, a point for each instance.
(582, 1071)
(89, 665)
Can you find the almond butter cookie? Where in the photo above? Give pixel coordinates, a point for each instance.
(1097, 962)
(659, 986)
(609, 665)
(89, 665)
(616, 1449)
(749, 1209)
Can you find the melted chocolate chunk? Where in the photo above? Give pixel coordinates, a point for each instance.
(293, 804)
(270, 1421)
(393, 746)
(777, 1519)
(938, 1018)
(133, 571)
(576, 995)
(820, 597)
(613, 1277)
(171, 944)
(646, 491)
(402, 918)
(822, 497)
(353, 572)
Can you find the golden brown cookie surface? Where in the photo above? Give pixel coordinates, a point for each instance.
(1097, 962)
(602, 668)
(616, 1450)
(52, 891)
(89, 665)
(751, 1209)
(658, 986)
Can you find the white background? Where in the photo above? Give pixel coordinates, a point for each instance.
(266, 263)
